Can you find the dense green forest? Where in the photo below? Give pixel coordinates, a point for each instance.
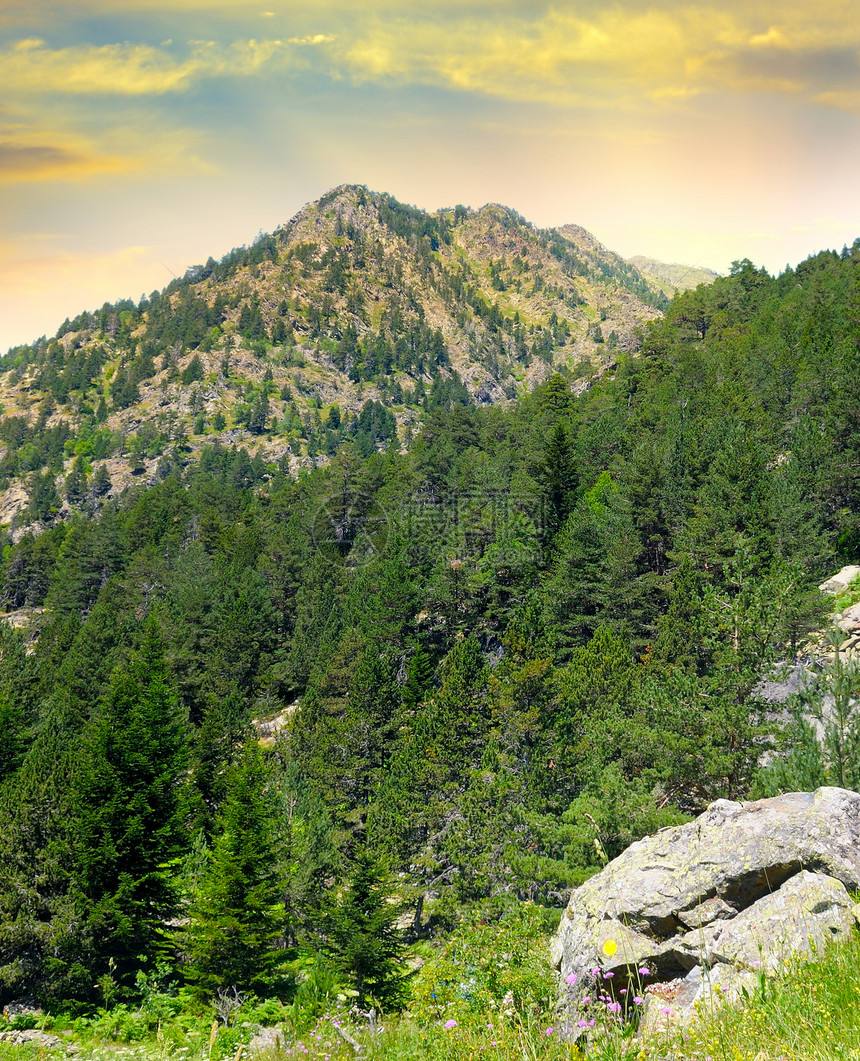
(494, 656)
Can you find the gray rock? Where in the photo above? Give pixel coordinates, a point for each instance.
(742, 884)
(841, 580)
(31, 1035)
(267, 1039)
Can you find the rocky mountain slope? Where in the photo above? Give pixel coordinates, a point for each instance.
(672, 277)
(344, 323)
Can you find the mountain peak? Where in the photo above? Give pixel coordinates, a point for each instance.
(358, 302)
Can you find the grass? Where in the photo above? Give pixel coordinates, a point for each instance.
(488, 993)
(810, 1013)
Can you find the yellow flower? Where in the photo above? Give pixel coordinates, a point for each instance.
(610, 947)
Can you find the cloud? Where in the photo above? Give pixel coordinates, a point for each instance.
(618, 56)
(27, 162)
(29, 67)
(314, 39)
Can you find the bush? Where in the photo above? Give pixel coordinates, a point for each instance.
(486, 968)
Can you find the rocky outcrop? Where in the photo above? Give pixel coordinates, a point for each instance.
(839, 582)
(31, 1035)
(718, 901)
(847, 619)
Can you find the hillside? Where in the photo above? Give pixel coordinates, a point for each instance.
(280, 346)
(672, 277)
(325, 715)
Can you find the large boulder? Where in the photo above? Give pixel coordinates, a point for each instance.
(719, 901)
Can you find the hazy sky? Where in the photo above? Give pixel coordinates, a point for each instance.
(138, 137)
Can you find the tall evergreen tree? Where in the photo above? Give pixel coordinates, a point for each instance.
(125, 806)
(235, 935)
(362, 938)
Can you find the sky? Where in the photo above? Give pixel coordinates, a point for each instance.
(139, 137)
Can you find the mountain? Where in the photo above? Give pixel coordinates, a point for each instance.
(672, 277)
(346, 321)
(483, 660)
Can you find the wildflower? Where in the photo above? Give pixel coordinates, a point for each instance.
(609, 975)
(549, 1031)
(571, 978)
(586, 1000)
(610, 947)
(623, 991)
(451, 1023)
(614, 1007)
(638, 1000)
(582, 1024)
(666, 1009)
(595, 972)
(644, 971)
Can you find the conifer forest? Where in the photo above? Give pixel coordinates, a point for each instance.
(447, 652)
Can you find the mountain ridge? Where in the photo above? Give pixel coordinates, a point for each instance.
(357, 299)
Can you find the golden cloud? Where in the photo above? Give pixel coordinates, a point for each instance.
(29, 162)
(616, 56)
(131, 69)
(312, 40)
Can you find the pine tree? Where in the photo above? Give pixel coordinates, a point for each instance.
(236, 927)
(125, 803)
(558, 479)
(362, 938)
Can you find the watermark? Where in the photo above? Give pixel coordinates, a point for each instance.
(509, 528)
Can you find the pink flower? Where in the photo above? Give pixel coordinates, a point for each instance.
(450, 1023)
(549, 1031)
(614, 1007)
(666, 1009)
(609, 975)
(638, 1000)
(591, 1023)
(595, 972)
(623, 991)
(571, 978)
(582, 1024)
(586, 1000)
(644, 971)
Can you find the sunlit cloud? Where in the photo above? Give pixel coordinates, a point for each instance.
(28, 162)
(614, 56)
(131, 69)
(312, 40)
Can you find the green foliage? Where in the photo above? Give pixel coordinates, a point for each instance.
(361, 937)
(235, 933)
(125, 807)
(485, 968)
